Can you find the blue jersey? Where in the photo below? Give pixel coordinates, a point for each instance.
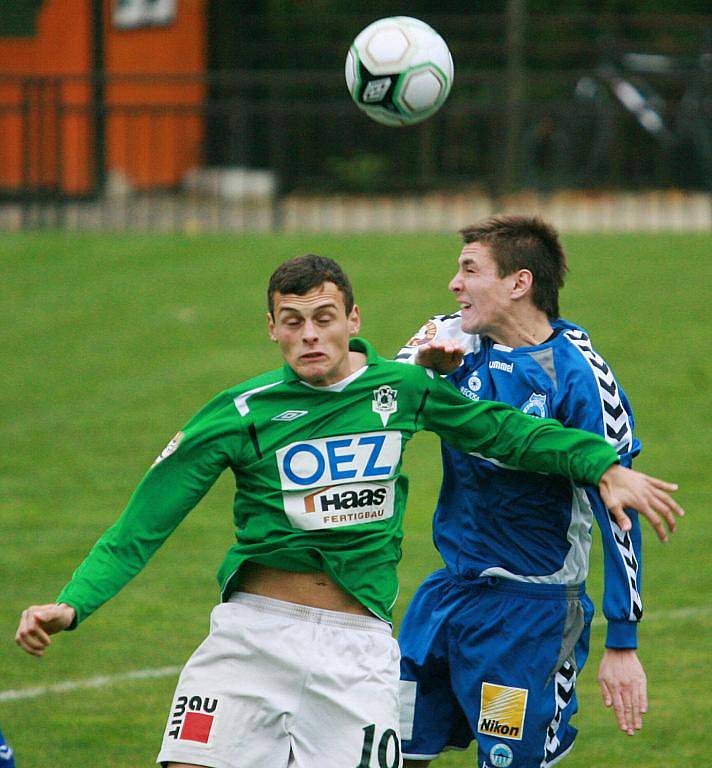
(493, 520)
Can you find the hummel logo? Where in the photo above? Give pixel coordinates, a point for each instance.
(289, 415)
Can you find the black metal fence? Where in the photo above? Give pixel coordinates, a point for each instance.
(304, 127)
(632, 122)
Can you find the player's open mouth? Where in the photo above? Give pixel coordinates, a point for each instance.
(312, 356)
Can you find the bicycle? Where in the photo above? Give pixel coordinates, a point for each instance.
(596, 140)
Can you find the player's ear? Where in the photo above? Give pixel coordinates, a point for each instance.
(270, 327)
(354, 320)
(523, 283)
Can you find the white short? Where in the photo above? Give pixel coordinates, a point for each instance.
(280, 685)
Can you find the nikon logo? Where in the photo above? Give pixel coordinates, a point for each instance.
(499, 729)
(502, 711)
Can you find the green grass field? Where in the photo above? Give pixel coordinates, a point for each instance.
(111, 342)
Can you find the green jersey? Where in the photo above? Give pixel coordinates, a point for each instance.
(318, 475)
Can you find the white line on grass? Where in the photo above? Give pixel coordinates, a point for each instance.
(679, 614)
(91, 682)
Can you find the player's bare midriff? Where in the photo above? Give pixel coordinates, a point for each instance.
(314, 589)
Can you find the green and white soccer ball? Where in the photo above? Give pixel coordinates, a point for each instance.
(399, 71)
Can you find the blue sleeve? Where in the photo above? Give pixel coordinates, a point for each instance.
(592, 399)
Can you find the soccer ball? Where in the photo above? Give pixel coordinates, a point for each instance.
(399, 71)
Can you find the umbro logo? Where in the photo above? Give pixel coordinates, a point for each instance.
(289, 415)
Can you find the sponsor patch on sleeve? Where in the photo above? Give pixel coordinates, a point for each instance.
(425, 335)
(169, 449)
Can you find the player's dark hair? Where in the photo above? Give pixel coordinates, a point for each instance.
(524, 242)
(303, 273)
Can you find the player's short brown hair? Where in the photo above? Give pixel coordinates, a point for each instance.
(303, 273)
(525, 242)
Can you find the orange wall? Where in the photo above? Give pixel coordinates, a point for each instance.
(157, 146)
(152, 148)
(62, 46)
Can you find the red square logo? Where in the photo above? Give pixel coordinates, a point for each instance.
(196, 727)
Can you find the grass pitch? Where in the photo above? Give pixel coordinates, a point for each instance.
(110, 343)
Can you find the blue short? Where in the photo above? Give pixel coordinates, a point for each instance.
(7, 759)
(494, 660)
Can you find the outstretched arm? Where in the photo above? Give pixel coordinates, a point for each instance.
(498, 431)
(178, 479)
(621, 487)
(38, 622)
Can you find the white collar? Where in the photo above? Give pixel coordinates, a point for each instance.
(339, 385)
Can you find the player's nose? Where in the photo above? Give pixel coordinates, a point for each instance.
(309, 331)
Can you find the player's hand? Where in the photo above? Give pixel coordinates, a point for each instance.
(442, 356)
(621, 487)
(624, 687)
(38, 622)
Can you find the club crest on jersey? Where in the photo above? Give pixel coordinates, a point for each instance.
(501, 756)
(384, 402)
(169, 449)
(474, 385)
(535, 405)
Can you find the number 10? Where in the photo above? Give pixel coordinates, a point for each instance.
(369, 732)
